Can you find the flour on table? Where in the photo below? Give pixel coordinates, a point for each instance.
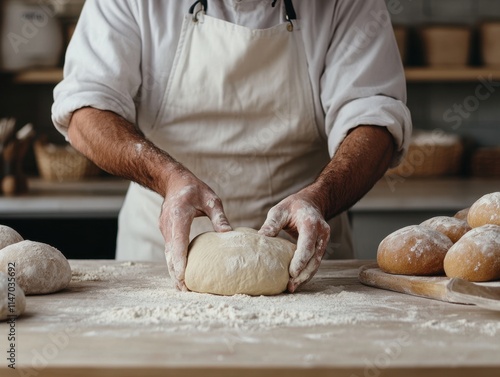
(132, 298)
(103, 273)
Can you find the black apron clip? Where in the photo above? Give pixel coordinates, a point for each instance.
(290, 10)
(204, 6)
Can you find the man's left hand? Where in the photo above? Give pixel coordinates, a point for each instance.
(302, 219)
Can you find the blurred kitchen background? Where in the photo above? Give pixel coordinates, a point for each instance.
(451, 53)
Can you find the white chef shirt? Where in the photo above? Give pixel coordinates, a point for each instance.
(122, 51)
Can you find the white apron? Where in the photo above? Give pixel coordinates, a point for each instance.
(237, 112)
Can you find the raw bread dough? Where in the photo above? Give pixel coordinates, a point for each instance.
(476, 257)
(8, 236)
(16, 298)
(486, 210)
(40, 268)
(451, 227)
(238, 262)
(413, 250)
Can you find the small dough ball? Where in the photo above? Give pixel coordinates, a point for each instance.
(462, 214)
(486, 210)
(238, 262)
(476, 257)
(12, 300)
(451, 227)
(40, 268)
(8, 236)
(413, 250)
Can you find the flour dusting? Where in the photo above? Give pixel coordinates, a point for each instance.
(129, 295)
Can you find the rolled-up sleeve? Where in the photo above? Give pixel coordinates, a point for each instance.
(363, 82)
(102, 65)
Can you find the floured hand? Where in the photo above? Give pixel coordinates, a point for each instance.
(301, 218)
(187, 197)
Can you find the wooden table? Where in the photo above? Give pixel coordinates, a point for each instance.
(124, 319)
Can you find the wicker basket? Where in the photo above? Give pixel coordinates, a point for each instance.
(485, 162)
(62, 163)
(431, 157)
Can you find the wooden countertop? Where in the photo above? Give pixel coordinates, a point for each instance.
(124, 319)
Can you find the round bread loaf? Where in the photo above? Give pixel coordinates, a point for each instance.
(486, 210)
(413, 250)
(476, 256)
(40, 268)
(462, 214)
(451, 227)
(8, 236)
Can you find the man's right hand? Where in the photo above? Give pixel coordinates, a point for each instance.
(187, 197)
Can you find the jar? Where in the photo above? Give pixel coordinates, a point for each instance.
(31, 35)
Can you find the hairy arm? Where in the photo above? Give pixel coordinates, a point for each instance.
(119, 148)
(361, 160)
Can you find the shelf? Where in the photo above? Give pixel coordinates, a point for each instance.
(424, 74)
(93, 198)
(103, 197)
(418, 74)
(39, 76)
(425, 194)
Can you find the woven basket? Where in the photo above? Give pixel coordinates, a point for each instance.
(62, 163)
(485, 162)
(430, 160)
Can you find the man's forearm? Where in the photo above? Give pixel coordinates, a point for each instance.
(361, 160)
(117, 147)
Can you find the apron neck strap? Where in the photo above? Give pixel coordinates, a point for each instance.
(290, 10)
(204, 6)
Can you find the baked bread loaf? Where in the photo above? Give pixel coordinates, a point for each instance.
(413, 250)
(462, 214)
(451, 227)
(486, 210)
(476, 256)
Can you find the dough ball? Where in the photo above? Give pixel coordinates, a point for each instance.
(462, 214)
(40, 268)
(12, 300)
(8, 236)
(476, 257)
(238, 262)
(486, 210)
(413, 250)
(451, 227)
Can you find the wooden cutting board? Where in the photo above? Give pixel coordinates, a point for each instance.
(486, 295)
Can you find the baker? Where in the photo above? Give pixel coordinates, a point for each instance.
(270, 114)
